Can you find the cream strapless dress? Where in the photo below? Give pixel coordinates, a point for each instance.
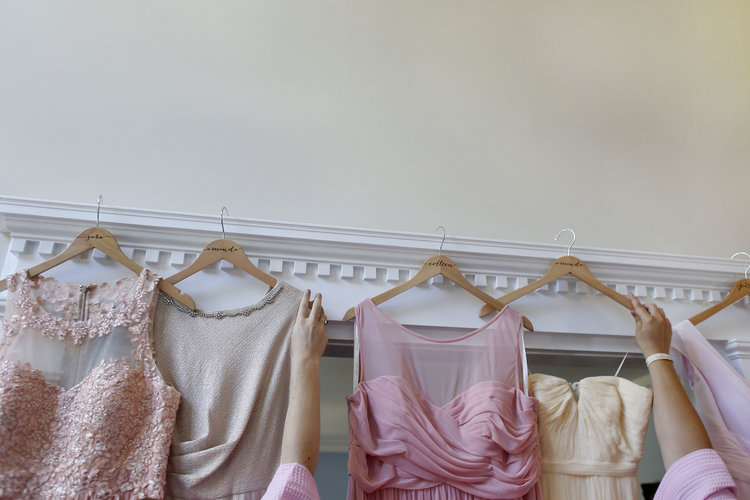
(592, 434)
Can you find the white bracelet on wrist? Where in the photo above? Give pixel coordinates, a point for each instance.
(656, 357)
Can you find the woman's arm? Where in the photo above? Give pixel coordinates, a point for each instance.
(679, 429)
(694, 470)
(299, 446)
(301, 440)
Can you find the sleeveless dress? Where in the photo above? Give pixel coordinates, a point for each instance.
(232, 369)
(592, 435)
(441, 417)
(723, 399)
(84, 412)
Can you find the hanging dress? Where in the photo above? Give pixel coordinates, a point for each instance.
(232, 368)
(441, 417)
(84, 412)
(723, 399)
(592, 434)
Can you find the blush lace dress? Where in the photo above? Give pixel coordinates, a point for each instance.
(84, 412)
(441, 417)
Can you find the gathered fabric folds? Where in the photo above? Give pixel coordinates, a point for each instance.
(441, 418)
(592, 434)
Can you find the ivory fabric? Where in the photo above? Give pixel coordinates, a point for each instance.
(437, 417)
(700, 475)
(592, 435)
(84, 412)
(232, 368)
(723, 399)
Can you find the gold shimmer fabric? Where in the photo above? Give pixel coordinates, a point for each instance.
(591, 434)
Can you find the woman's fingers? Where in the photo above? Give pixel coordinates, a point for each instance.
(641, 313)
(317, 307)
(646, 311)
(304, 305)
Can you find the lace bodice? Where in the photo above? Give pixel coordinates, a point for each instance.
(84, 412)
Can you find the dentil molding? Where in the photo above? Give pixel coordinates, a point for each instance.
(349, 264)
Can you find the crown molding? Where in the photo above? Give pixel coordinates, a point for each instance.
(348, 264)
(33, 220)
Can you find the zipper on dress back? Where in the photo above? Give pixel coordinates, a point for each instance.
(83, 310)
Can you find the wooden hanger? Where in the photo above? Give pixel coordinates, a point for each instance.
(440, 264)
(103, 240)
(740, 290)
(223, 249)
(559, 268)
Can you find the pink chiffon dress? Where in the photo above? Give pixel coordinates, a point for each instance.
(435, 417)
(84, 412)
(723, 399)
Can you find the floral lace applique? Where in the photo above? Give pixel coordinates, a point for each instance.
(106, 437)
(29, 313)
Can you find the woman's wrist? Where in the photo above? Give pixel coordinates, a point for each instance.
(661, 368)
(306, 363)
(659, 356)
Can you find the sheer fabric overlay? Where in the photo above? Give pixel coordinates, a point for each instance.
(723, 398)
(84, 413)
(441, 418)
(592, 434)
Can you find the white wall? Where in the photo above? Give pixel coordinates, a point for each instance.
(628, 121)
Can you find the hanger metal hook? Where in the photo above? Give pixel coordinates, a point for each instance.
(742, 253)
(221, 214)
(98, 207)
(572, 242)
(440, 250)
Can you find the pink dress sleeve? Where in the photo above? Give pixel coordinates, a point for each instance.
(700, 475)
(292, 482)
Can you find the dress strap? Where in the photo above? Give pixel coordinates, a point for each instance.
(514, 319)
(524, 365)
(144, 302)
(355, 376)
(358, 362)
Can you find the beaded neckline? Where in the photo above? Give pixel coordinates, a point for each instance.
(244, 311)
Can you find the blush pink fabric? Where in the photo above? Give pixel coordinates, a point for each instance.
(700, 475)
(107, 434)
(439, 417)
(723, 399)
(292, 482)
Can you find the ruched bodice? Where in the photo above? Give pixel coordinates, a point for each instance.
(592, 435)
(448, 422)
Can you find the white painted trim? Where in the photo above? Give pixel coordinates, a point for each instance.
(738, 352)
(348, 264)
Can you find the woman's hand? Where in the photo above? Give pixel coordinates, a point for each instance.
(302, 425)
(653, 331)
(309, 337)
